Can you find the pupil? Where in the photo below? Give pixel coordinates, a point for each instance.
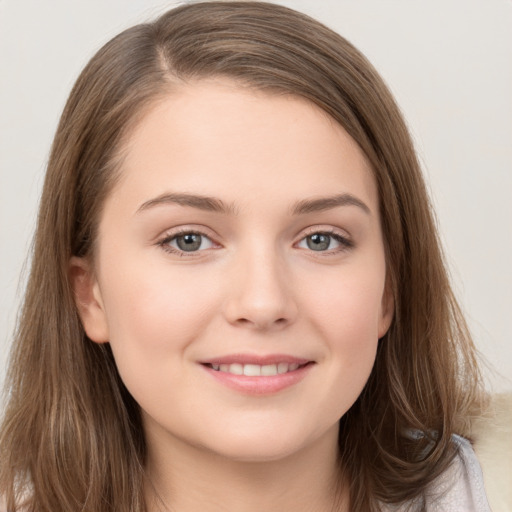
(190, 242)
(318, 242)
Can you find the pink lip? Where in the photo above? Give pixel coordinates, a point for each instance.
(262, 385)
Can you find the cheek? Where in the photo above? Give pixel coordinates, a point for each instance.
(351, 330)
(348, 304)
(153, 314)
(346, 310)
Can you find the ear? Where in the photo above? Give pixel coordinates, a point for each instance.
(88, 299)
(387, 309)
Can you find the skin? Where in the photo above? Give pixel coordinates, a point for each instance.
(254, 287)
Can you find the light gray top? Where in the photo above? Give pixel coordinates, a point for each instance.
(459, 489)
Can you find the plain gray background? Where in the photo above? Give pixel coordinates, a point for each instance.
(448, 62)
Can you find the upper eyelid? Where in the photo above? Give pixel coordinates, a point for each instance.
(329, 230)
(184, 230)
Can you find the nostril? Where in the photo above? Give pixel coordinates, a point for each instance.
(262, 323)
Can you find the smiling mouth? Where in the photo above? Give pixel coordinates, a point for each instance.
(256, 370)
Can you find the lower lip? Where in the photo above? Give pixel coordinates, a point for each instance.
(263, 385)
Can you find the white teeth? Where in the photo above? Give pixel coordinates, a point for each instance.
(256, 370)
(269, 369)
(282, 367)
(252, 370)
(237, 369)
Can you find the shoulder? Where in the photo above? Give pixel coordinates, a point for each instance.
(492, 435)
(461, 487)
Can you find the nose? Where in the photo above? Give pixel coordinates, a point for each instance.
(260, 295)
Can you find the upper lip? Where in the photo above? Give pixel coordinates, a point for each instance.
(261, 360)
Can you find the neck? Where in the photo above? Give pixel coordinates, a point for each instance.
(186, 478)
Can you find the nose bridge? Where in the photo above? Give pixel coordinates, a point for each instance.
(261, 295)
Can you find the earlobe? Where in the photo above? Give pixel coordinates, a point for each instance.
(88, 299)
(387, 311)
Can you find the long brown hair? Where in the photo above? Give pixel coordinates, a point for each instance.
(71, 438)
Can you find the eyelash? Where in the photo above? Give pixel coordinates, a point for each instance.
(345, 243)
(164, 243)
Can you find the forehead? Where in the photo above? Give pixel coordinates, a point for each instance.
(218, 138)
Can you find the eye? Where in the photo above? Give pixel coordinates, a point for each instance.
(321, 242)
(187, 242)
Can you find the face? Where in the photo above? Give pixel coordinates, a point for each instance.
(240, 275)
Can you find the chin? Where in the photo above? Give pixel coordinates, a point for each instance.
(268, 445)
(257, 450)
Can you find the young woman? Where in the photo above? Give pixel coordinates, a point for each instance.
(237, 300)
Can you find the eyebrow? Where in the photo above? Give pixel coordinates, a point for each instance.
(206, 203)
(328, 203)
(212, 204)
